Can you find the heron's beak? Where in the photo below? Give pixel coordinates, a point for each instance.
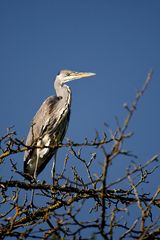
(84, 74)
(77, 75)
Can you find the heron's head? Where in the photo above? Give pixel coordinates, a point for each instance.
(67, 75)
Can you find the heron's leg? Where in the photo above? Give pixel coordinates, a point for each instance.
(32, 197)
(54, 169)
(36, 166)
(35, 176)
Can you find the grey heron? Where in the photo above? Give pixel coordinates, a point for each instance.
(49, 125)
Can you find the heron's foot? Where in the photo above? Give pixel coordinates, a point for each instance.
(55, 181)
(32, 205)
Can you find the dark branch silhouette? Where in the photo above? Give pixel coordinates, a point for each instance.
(87, 206)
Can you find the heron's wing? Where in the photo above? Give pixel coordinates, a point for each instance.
(45, 116)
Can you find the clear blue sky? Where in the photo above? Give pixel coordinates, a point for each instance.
(118, 40)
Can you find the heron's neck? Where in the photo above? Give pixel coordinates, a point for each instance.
(64, 92)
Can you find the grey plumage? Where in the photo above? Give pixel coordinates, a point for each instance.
(49, 125)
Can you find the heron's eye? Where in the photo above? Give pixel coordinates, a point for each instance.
(68, 74)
